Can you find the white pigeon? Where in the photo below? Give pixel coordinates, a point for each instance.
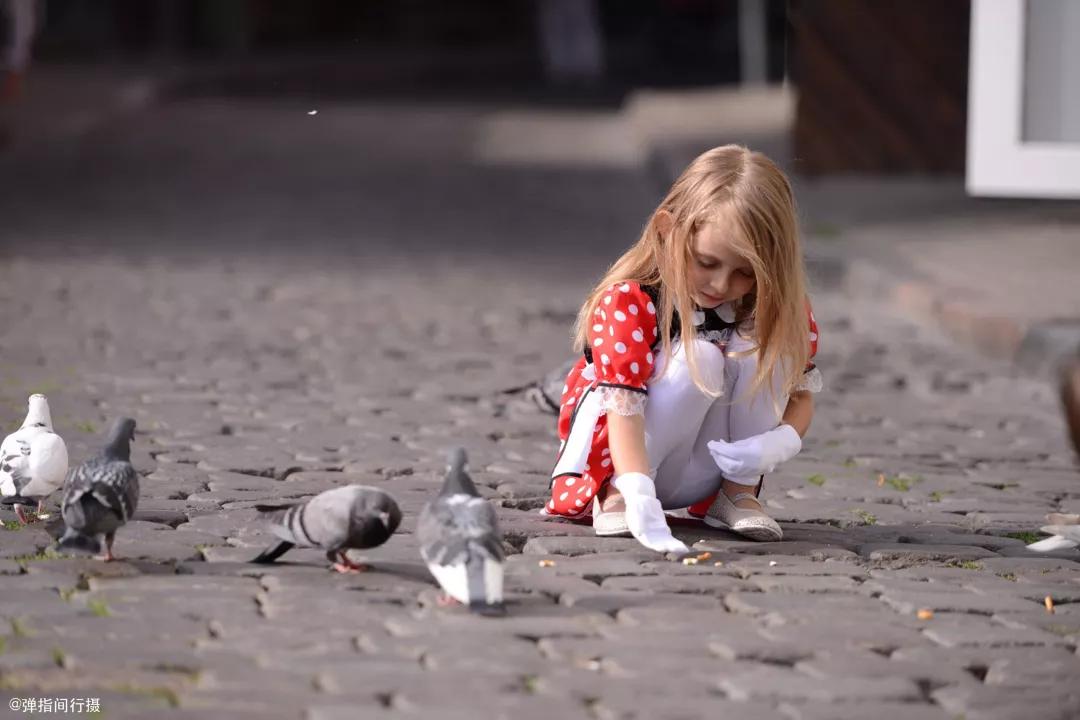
(1064, 532)
(460, 542)
(33, 460)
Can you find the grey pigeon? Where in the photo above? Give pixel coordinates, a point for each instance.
(33, 460)
(461, 544)
(546, 393)
(101, 494)
(354, 516)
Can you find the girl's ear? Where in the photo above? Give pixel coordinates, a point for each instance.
(664, 222)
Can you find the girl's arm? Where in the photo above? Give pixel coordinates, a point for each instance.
(798, 414)
(626, 439)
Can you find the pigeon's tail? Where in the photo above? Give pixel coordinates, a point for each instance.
(457, 460)
(76, 543)
(17, 500)
(271, 554)
(488, 609)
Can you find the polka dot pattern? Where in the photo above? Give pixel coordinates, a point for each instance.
(813, 332)
(626, 331)
(624, 323)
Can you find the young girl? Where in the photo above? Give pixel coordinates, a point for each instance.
(696, 374)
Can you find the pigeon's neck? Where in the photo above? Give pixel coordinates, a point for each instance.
(458, 483)
(38, 414)
(118, 449)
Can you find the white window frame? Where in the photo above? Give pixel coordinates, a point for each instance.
(999, 162)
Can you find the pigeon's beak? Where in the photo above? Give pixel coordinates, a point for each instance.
(385, 518)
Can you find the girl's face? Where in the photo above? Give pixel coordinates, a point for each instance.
(717, 273)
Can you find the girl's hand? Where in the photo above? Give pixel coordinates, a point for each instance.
(743, 461)
(644, 515)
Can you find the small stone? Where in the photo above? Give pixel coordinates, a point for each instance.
(1049, 602)
(546, 563)
(924, 614)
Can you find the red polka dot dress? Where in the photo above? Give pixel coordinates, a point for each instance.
(623, 339)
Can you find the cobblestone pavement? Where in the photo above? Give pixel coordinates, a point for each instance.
(269, 379)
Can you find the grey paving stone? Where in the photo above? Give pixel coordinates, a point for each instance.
(938, 553)
(963, 630)
(803, 584)
(848, 663)
(784, 684)
(882, 710)
(574, 546)
(791, 604)
(951, 602)
(811, 549)
(709, 584)
(997, 703)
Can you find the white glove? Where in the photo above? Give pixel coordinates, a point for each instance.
(743, 461)
(644, 515)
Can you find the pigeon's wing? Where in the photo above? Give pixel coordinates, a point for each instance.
(117, 488)
(451, 529)
(486, 523)
(112, 485)
(48, 461)
(15, 473)
(349, 517)
(79, 484)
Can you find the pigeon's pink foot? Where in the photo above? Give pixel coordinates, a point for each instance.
(345, 565)
(22, 515)
(350, 568)
(108, 557)
(444, 600)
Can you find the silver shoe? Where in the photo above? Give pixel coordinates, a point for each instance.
(754, 524)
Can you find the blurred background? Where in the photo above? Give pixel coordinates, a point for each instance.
(923, 136)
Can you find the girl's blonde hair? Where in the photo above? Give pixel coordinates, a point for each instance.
(752, 195)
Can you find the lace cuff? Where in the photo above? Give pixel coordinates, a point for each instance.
(811, 381)
(622, 401)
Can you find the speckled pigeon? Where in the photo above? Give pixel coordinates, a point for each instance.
(33, 460)
(351, 517)
(101, 494)
(461, 544)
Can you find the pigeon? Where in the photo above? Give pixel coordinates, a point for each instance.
(101, 495)
(461, 544)
(546, 393)
(354, 516)
(33, 460)
(1064, 532)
